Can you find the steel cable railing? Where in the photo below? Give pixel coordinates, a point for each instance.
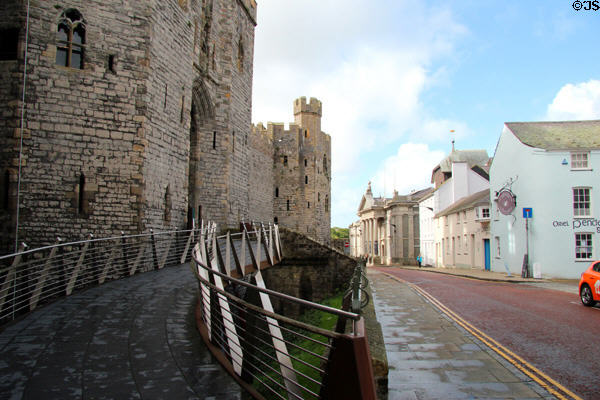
(33, 277)
(276, 356)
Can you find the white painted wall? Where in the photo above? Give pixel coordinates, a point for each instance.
(545, 184)
(427, 232)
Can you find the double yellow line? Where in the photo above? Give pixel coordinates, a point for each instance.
(538, 376)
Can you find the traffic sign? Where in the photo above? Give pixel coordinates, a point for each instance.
(527, 212)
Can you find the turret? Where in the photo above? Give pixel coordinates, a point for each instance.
(308, 115)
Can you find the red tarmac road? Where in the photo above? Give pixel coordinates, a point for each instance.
(550, 329)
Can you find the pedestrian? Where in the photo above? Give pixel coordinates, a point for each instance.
(419, 260)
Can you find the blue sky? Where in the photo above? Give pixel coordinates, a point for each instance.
(396, 76)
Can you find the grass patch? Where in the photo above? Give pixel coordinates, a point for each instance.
(301, 348)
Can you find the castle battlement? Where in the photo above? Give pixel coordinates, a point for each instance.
(314, 106)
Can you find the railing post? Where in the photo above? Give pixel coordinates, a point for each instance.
(124, 253)
(11, 278)
(77, 268)
(39, 286)
(187, 247)
(154, 257)
(349, 373)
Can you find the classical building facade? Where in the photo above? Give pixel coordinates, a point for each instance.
(136, 115)
(544, 185)
(388, 229)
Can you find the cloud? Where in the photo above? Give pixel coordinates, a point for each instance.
(409, 169)
(577, 101)
(369, 63)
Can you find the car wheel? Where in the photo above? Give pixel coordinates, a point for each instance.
(586, 296)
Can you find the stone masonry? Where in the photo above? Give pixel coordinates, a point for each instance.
(137, 116)
(301, 171)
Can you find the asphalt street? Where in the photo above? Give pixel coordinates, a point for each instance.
(548, 328)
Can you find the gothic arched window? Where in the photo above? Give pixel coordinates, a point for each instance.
(70, 39)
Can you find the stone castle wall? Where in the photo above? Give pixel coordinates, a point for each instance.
(154, 130)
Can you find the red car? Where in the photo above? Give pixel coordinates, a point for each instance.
(589, 285)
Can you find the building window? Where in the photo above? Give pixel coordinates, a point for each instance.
(464, 217)
(9, 44)
(276, 192)
(111, 63)
(308, 205)
(326, 202)
(288, 205)
(305, 162)
(306, 179)
(276, 220)
(485, 213)
(168, 204)
(581, 202)
(458, 217)
(579, 160)
(325, 163)
(233, 142)
(81, 195)
(6, 190)
(318, 196)
(214, 140)
(285, 160)
(240, 57)
(70, 39)
(583, 246)
(498, 246)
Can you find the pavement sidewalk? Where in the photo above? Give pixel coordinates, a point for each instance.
(431, 357)
(566, 285)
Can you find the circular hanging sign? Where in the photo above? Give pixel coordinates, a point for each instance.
(506, 202)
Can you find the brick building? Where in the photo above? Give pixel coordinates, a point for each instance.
(137, 115)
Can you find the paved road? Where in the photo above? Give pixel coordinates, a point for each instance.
(548, 328)
(429, 357)
(128, 339)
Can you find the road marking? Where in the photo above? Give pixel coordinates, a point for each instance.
(538, 376)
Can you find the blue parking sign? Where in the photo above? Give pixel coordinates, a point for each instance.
(527, 212)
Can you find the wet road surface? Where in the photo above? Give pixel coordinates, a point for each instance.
(548, 328)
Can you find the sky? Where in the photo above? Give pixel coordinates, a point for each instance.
(396, 77)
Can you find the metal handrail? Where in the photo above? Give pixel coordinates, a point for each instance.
(310, 304)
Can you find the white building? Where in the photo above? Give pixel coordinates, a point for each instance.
(459, 175)
(549, 171)
(388, 229)
(463, 233)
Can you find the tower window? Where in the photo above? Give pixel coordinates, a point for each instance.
(233, 142)
(308, 205)
(285, 160)
(306, 179)
(81, 195)
(9, 43)
(111, 63)
(276, 192)
(181, 113)
(275, 220)
(305, 162)
(288, 205)
(214, 140)
(70, 39)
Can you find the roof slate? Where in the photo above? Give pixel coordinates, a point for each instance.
(561, 135)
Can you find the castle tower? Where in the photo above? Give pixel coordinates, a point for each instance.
(302, 172)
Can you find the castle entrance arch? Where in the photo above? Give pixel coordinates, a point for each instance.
(202, 138)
